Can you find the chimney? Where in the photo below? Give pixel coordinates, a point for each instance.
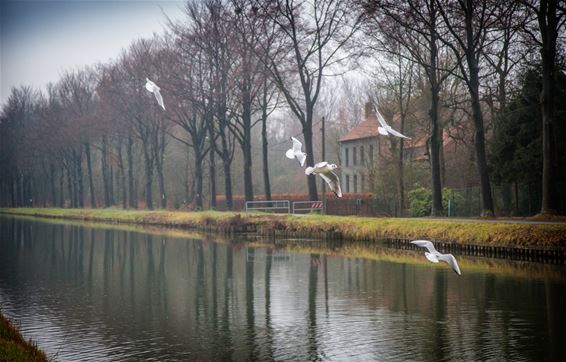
(369, 111)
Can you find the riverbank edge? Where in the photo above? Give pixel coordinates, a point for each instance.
(13, 346)
(549, 237)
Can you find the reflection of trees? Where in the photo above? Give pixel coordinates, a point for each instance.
(201, 309)
(227, 337)
(268, 325)
(250, 314)
(311, 328)
(213, 246)
(439, 315)
(325, 264)
(131, 285)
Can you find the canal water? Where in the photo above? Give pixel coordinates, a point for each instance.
(87, 292)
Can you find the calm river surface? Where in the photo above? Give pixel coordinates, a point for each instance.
(95, 293)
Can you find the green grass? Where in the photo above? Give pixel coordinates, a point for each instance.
(350, 227)
(13, 347)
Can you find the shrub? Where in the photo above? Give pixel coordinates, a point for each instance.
(420, 201)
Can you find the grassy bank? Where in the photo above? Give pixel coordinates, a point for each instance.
(340, 227)
(13, 347)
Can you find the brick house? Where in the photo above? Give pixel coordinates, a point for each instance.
(360, 149)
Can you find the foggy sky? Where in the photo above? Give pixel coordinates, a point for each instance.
(40, 39)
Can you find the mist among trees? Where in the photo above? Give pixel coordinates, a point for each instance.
(478, 84)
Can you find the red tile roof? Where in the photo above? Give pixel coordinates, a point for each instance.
(364, 129)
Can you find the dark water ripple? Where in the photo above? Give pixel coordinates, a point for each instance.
(101, 294)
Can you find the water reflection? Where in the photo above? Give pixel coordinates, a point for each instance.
(93, 293)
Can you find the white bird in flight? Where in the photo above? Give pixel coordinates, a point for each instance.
(295, 152)
(434, 256)
(386, 129)
(324, 170)
(153, 88)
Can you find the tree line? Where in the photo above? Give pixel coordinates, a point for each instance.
(232, 72)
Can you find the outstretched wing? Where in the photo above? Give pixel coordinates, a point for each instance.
(297, 145)
(333, 182)
(425, 244)
(381, 120)
(159, 97)
(395, 133)
(320, 164)
(451, 260)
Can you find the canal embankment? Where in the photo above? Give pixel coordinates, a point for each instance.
(499, 239)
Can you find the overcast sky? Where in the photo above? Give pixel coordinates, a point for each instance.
(40, 39)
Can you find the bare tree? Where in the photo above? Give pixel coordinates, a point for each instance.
(550, 16)
(312, 35)
(399, 78)
(468, 25)
(409, 30)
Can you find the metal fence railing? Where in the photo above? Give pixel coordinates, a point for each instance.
(300, 207)
(273, 206)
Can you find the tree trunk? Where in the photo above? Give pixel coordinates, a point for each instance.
(111, 184)
(13, 190)
(62, 188)
(132, 202)
(479, 134)
(198, 177)
(247, 147)
(122, 176)
(89, 170)
(212, 168)
(400, 171)
(52, 176)
(548, 24)
(228, 186)
(159, 147)
(265, 154)
(307, 133)
(105, 175)
(79, 170)
(148, 177)
(226, 160)
(70, 183)
(437, 209)
(479, 143)
(161, 180)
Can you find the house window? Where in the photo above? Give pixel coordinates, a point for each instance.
(355, 183)
(371, 154)
(347, 183)
(362, 186)
(362, 156)
(355, 156)
(347, 157)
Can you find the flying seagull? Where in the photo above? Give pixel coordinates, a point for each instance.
(295, 152)
(324, 170)
(153, 88)
(434, 256)
(386, 129)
